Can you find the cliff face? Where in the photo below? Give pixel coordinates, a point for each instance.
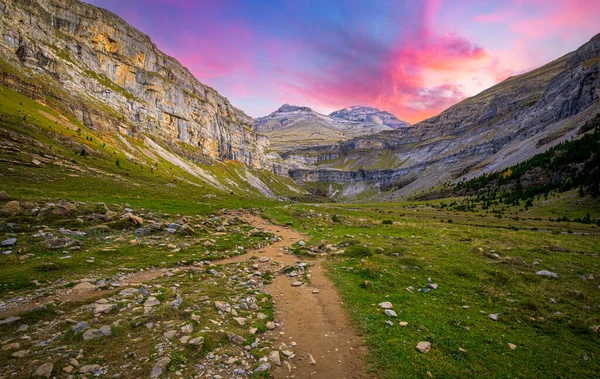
(114, 79)
(505, 124)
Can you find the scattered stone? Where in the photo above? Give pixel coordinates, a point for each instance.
(20, 354)
(389, 322)
(44, 370)
(433, 286)
(80, 327)
(390, 313)
(105, 308)
(386, 305)
(9, 320)
(84, 286)
(424, 346)
(403, 323)
(197, 342)
(263, 367)
(236, 339)
(97, 333)
(297, 283)
(270, 325)
(8, 242)
(222, 306)
(301, 243)
(547, 273)
(274, 357)
(240, 320)
(89, 369)
(512, 346)
(315, 291)
(11, 346)
(160, 367)
(311, 360)
(151, 302)
(494, 316)
(176, 303)
(170, 334)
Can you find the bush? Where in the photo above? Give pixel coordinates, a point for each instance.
(335, 218)
(358, 251)
(369, 268)
(387, 222)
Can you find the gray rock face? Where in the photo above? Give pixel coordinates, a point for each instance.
(116, 80)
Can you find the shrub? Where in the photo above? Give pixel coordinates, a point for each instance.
(369, 268)
(335, 218)
(387, 222)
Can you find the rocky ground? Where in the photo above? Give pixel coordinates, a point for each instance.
(240, 304)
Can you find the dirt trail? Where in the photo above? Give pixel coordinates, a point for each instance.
(316, 322)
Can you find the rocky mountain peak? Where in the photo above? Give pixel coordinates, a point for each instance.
(362, 113)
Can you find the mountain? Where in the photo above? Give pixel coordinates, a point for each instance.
(291, 127)
(369, 114)
(89, 71)
(502, 126)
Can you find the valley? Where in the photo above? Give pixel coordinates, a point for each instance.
(151, 228)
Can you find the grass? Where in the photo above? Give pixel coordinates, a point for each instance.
(547, 319)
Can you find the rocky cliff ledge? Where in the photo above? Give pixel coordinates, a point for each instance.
(91, 63)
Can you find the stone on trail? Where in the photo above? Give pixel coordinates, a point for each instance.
(297, 283)
(494, 316)
(386, 305)
(311, 360)
(263, 367)
(84, 286)
(274, 357)
(270, 325)
(424, 346)
(44, 370)
(547, 273)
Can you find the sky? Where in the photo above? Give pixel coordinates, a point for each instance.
(413, 58)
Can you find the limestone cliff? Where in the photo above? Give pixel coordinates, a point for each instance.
(94, 65)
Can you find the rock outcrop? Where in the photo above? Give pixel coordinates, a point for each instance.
(93, 65)
(361, 113)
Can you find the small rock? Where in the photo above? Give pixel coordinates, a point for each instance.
(97, 333)
(274, 357)
(390, 313)
(80, 327)
(44, 370)
(386, 305)
(311, 360)
(9, 320)
(403, 323)
(160, 367)
(89, 369)
(270, 325)
(8, 242)
(84, 286)
(512, 346)
(197, 342)
(494, 316)
(151, 302)
(20, 354)
(263, 367)
(433, 286)
(297, 283)
(234, 338)
(547, 273)
(424, 346)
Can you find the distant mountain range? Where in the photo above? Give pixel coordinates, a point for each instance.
(292, 126)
